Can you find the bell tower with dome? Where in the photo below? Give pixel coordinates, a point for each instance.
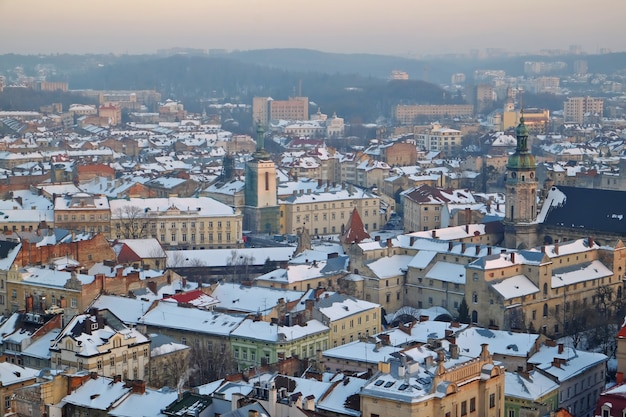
(261, 213)
(520, 220)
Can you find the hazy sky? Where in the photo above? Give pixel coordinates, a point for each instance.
(389, 27)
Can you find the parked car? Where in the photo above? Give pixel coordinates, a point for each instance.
(55, 310)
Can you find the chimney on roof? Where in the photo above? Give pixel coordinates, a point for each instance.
(454, 351)
(477, 250)
(388, 242)
(467, 228)
(463, 247)
(513, 257)
(319, 183)
(434, 234)
(543, 249)
(450, 246)
(377, 238)
(488, 250)
(556, 246)
(561, 346)
(590, 241)
(411, 240)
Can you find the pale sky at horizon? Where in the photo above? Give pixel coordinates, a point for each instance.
(398, 27)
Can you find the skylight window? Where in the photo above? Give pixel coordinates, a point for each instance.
(379, 382)
(389, 384)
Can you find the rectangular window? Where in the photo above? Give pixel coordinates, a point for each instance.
(472, 405)
(112, 361)
(464, 408)
(492, 400)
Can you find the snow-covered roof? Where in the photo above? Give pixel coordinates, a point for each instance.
(272, 333)
(99, 394)
(529, 387)
(151, 403)
(203, 206)
(129, 310)
(251, 299)
(447, 272)
(170, 315)
(228, 257)
(390, 266)
(516, 286)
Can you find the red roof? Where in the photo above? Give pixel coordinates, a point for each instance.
(187, 297)
(355, 233)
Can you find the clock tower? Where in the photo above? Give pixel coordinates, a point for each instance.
(261, 213)
(520, 220)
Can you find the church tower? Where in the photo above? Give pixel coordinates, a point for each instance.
(261, 212)
(520, 225)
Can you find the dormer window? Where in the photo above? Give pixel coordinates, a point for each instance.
(94, 326)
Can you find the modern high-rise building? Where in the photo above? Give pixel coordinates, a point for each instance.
(582, 109)
(265, 109)
(406, 114)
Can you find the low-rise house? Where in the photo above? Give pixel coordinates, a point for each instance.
(144, 253)
(99, 342)
(169, 362)
(581, 375)
(308, 275)
(412, 387)
(12, 378)
(530, 394)
(256, 342)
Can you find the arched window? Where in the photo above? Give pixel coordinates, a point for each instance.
(475, 297)
(545, 289)
(474, 316)
(545, 310)
(619, 292)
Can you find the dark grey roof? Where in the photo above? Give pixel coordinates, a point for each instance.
(590, 209)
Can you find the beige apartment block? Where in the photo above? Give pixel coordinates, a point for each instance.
(327, 212)
(582, 109)
(406, 114)
(184, 223)
(541, 290)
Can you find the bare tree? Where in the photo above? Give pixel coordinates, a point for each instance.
(168, 370)
(573, 322)
(239, 265)
(176, 259)
(609, 315)
(133, 221)
(211, 362)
